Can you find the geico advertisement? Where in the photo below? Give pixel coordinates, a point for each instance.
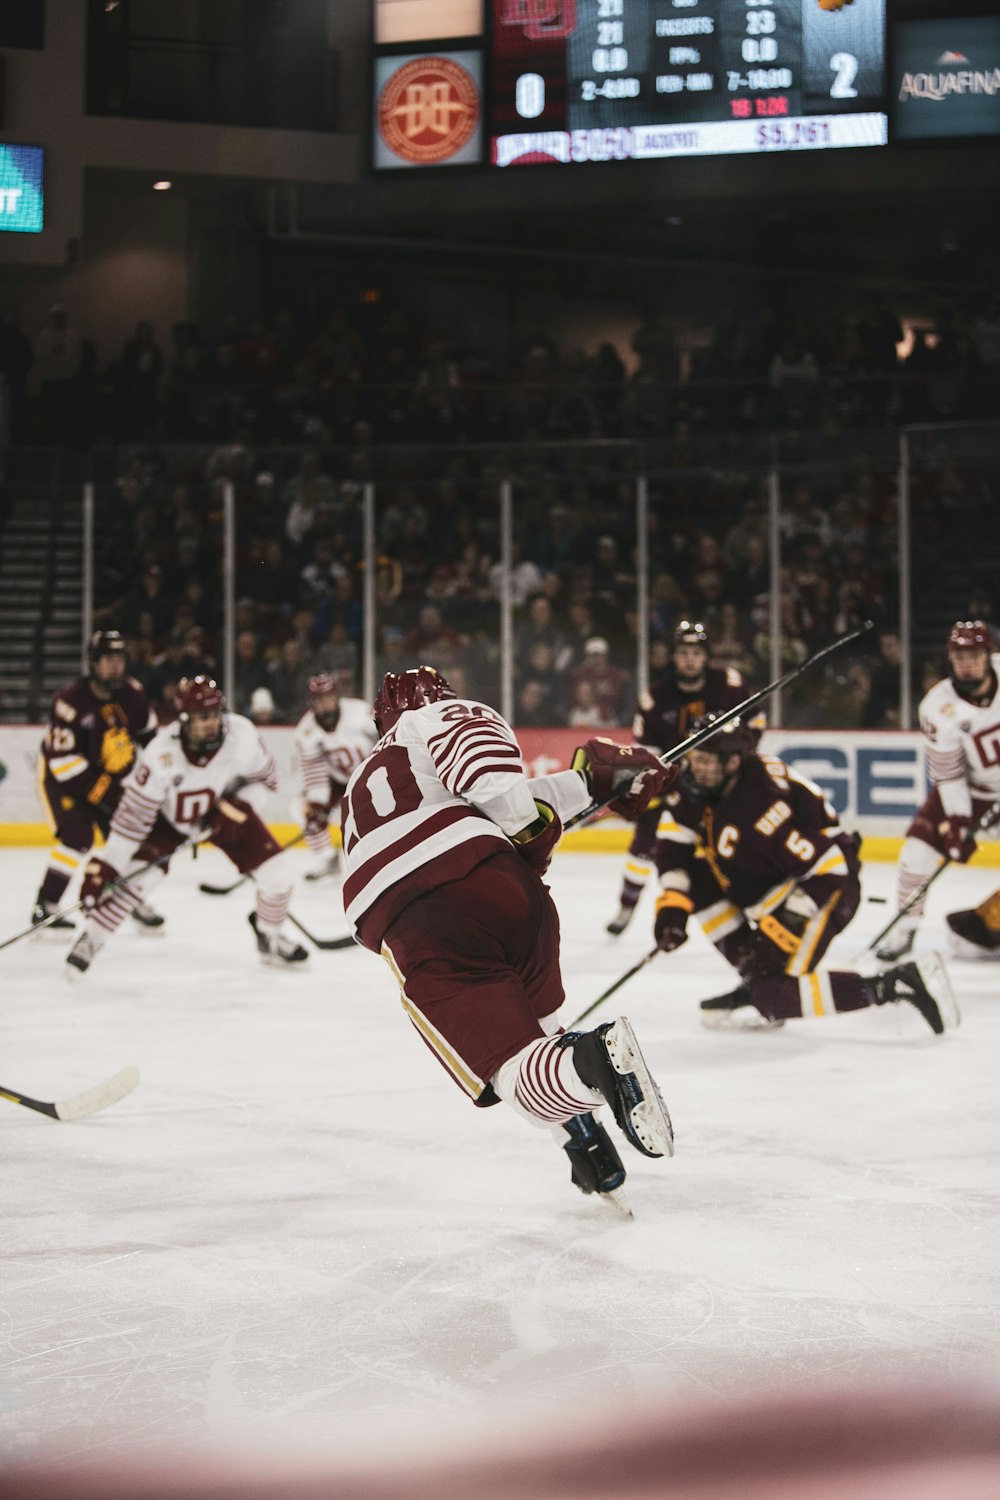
(875, 780)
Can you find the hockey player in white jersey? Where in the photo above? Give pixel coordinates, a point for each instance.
(332, 738)
(445, 843)
(960, 717)
(186, 784)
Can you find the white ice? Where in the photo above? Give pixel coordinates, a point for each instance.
(297, 1231)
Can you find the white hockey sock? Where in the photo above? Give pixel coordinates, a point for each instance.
(541, 1083)
(917, 862)
(272, 909)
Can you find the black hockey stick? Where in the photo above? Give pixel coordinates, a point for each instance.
(79, 1106)
(226, 890)
(123, 882)
(646, 958)
(986, 820)
(325, 945)
(718, 720)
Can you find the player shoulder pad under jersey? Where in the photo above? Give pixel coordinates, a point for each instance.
(939, 708)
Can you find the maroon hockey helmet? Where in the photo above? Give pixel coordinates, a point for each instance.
(690, 633)
(969, 635)
(201, 695)
(401, 691)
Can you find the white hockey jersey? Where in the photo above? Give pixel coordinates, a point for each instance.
(963, 750)
(164, 781)
(438, 795)
(327, 755)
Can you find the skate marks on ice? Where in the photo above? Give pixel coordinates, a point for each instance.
(296, 1231)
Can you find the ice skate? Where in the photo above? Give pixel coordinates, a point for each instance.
(609, 1060)
(60, 928)
(594, 1163)
(896, 944)
(81, 956)
(275, 948)
(735, 1011)
(925, 984)
(326, 864)
(618, 924)
(970, 937)
(146, 917)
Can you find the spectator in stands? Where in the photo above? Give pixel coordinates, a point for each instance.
(59, 360)
(138, 386)
(262, 708)
(882, 707)
(532, 710)
(147, 596)
(250, 669)
(793, 650)
(16, 359)
(288, 680)
(727, 644)
(586, 710)
(540, 668)
(525, 578)
(180, 659)
(609, 684)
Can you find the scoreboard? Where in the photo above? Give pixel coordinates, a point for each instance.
(520, 82)
(604, 80)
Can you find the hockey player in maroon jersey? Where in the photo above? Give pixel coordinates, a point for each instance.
(97, 723)
(185, 785)
(663, 719)
(445, 843)
(756, 853)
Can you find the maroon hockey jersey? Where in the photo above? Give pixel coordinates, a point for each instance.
(91, 744)
(665, 714)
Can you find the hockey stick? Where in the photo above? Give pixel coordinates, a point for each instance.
(646, 958)
(226, 890)
(987, 820)
(718, 720)
(326, 945)
(121, 883)
(80, 1106)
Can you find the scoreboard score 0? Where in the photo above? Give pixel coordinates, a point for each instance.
(611, 80)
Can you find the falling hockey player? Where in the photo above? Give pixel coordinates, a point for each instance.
(445, 844)
(185, 785)
(333, 737)
(98, 723)
(755, 852)
(960, 718)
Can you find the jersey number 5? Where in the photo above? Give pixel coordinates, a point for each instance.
(386, 788)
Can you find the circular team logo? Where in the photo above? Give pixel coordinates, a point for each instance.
(428, 110)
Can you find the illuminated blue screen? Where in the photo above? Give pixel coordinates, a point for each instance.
(21, 199)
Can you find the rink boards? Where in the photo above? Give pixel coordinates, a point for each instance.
(875, 780)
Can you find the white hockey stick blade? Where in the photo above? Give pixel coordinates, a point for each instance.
(101, 1096)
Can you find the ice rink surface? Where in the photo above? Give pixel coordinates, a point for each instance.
(297, 1232)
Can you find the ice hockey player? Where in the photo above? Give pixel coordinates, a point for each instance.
(186, 784)
(333, 737)
(445, 843)
(663, 719)
(756, 853)
(960, 718)
(96, 726)
(976, 933)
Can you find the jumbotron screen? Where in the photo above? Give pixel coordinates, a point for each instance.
(610, 80)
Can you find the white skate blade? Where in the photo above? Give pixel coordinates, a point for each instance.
(961, 948)
(649, 1119)
(616, 1203)
(740, 1018)
(273, 961)
(931, 968)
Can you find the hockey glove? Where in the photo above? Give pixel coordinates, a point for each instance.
(629, 770)
(670, 928)
(536, 842)
(97, 876)
(226, 813)
(959, 845)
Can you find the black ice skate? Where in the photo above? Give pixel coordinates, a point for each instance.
(609, 1061)
(275, 948)
(971, 938)
(60, 928)
(896, 944)
(594, 1163)
(81, 956)
(925, 984)
(618, 924)
(735, 1011)
(147, 917)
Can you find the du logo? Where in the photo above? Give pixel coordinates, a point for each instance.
(987, 743)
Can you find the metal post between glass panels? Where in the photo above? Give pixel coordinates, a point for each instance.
(905, 589)
(87, 621)
(368, 625)
(229, 592)
(774, 604)
(642, 583)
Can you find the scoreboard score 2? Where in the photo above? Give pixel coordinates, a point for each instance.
(605, 80)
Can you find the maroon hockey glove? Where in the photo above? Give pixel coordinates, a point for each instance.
(629, 770)
(670, 928)
(959, 845)
(97, 875)
(536, 842)
(317, 817)
(226, 813)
